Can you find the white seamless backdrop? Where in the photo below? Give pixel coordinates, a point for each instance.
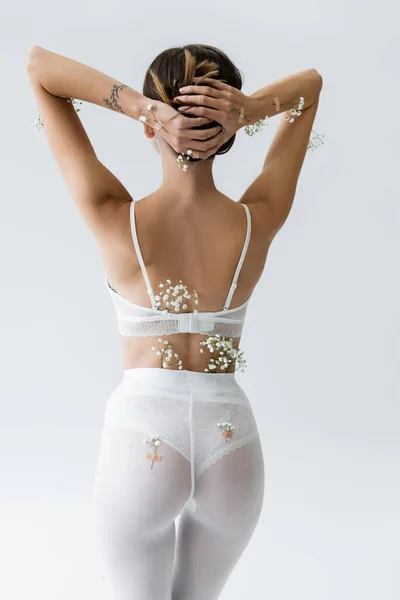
(323, 373)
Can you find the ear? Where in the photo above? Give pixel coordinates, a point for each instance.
(148, 131)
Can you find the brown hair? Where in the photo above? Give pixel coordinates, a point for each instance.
(175, 67)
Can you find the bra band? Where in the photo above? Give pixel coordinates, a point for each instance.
(241, 260)
(139, 255)
(143, 268)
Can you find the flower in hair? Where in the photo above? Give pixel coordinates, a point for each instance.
(183, 159)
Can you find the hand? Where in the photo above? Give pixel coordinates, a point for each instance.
(218, 101)
(178, 130)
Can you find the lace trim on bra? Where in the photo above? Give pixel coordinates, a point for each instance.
(168, 323)
(155, 327)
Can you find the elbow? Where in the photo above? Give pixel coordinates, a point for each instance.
(318, 76)
(31, 57)
(315, 83)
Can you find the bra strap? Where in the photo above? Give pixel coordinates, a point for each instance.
(241, 259)
(139, 254)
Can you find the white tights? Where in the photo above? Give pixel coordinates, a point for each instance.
(145, 557)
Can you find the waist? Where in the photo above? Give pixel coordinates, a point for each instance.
(182, 382)
(184, 351)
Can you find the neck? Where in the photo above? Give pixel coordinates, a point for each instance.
(191, 186)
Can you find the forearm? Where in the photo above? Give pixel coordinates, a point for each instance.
(68, 78)
(288, 90)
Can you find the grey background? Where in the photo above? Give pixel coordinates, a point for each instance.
(322, 336)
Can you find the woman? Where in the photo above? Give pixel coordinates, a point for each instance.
(181, 265)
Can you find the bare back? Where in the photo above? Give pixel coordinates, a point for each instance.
(197, 242)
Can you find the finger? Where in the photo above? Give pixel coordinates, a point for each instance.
(200, 100)
(206, 154)
(198, 147)
(214, 149)
(217, 83)
(201, 111)
(189, 122)
(203, 134)
(209, 144)
(200, 89)
(202, 148)
(202, 154)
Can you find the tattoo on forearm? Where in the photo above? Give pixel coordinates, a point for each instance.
(112, 102)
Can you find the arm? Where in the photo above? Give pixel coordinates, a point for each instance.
(272, 193)
(288, 89)
(97, 192)
(54, 78)
(68, 78)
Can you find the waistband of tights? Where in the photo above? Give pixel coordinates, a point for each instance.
(182, 380)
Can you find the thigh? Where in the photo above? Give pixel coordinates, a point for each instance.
(134, 511)
(229, 494)
(211, 538)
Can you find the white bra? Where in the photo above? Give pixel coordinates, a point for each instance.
(139, 321)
